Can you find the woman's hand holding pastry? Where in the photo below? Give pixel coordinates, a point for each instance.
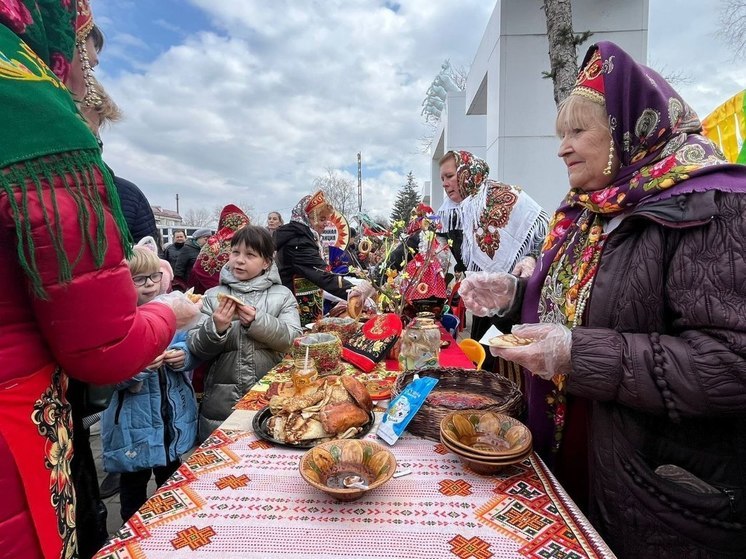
(547, 354)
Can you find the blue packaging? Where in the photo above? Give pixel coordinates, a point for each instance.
(401, 410)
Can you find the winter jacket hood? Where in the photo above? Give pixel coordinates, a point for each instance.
(260, 283)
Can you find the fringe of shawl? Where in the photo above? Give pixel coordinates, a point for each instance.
(77, 172)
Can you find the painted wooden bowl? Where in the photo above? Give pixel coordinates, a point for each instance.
(486, 433)
(327, 465)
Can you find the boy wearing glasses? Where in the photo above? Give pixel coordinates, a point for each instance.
(152, 418)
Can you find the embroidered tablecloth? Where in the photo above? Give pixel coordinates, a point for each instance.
(239, 496)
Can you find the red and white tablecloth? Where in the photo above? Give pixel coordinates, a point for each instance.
(239, 496)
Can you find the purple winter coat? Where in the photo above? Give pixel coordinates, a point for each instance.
(663, 359)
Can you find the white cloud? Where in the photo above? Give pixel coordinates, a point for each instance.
(275, 93)
(686, 41)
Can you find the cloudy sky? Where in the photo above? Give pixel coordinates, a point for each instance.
(249, 100)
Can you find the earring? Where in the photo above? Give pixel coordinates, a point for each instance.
(607, 169)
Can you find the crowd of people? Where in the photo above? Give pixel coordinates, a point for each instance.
(630, 300)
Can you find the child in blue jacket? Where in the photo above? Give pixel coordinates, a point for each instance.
(152, 418)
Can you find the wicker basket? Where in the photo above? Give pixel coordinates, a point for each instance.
(426, 423)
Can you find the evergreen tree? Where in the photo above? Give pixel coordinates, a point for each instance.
(406, 200)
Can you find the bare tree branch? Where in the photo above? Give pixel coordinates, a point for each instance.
(733, 25)
(428, 136)
(201, 217)
(341, 192)
(675, 76)
(244, 206)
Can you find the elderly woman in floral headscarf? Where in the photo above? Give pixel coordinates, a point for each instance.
(300, 259)
(640, 300)
(67, 301)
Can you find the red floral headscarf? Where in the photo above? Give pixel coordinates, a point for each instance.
(214, 254)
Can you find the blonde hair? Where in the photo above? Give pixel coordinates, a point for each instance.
(577, 112)
(107, 110)
(143, 262)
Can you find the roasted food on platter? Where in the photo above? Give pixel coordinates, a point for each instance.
(508, 341)
(233, 298)
(335, 408)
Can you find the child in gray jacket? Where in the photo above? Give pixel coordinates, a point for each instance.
(244, 341)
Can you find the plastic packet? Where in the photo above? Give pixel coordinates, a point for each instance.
(401, 410)
(187, 313)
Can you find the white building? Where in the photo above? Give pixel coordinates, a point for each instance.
(506, 114)
(165, 217)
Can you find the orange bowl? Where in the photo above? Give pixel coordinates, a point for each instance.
(485, 466)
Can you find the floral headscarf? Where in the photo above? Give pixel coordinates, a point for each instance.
(499, 221)
(471, 172)
(662, 154)
(49, 27)
(216, 251)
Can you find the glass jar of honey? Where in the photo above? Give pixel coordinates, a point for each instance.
(420, 343)
(304, 373)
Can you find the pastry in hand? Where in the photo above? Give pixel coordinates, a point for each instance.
(233, 298)
(508, 341)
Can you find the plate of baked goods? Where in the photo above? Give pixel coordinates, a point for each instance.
(332, 407)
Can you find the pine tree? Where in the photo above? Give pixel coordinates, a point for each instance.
(406, 200)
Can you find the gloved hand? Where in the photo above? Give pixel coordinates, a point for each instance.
(547, 355)
(525, 267)
(487, 294)
(187, 313)
(364, 290)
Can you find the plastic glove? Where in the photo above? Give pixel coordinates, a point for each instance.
(187, 313)
(364, 290)
(525, 267)
(547, 355)
(487, 294)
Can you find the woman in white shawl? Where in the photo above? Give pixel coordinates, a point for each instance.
(503, 227)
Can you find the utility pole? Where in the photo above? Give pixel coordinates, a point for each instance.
(359, 184)
(177, 203)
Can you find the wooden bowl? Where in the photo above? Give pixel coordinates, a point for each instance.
(486, 466)
(486, 433)
(326, 465)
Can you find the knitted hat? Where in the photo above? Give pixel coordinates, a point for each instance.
(201, 233)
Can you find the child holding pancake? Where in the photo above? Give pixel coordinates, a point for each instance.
(249, 321)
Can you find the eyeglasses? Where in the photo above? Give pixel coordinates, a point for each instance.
(139, 281)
